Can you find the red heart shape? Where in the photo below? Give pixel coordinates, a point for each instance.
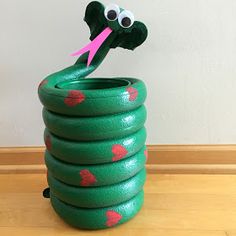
(133, 93)
(119, 152)
(48, 142)
(113, 218)
(74, 98)
(146, 154)
(87, 178)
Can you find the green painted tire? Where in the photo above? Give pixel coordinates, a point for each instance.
(96, 175)
(93, 97)
(98, 152)
(100, 218)
(95, 128)
(97, 197)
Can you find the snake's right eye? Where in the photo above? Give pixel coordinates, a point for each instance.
(126, 19)
(112, 12)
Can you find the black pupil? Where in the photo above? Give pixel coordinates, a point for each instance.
(112, 15)
(126, 21)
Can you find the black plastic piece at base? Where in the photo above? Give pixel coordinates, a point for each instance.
(46, 193)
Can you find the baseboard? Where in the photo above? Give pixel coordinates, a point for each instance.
(192, 154)
(210, 169)
(170, 159)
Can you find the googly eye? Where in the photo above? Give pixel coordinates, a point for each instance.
(126, 19)
(112, 12)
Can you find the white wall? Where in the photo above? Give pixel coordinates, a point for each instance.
(188, 63)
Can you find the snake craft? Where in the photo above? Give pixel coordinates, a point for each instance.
(95, 128)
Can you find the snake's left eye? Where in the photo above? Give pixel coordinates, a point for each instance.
(112, 12)
(126, 19)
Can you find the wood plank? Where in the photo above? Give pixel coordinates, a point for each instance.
(194, 184)
(194, 201)
(174, 205)
(163, 202)
(231, 233)
(47, 231)
(163, 214)
(160, 184)
(192, 154)
(192, 169)
(22, 183)
(201, 184)
(21, 155)
(23, 169)
(151, 168)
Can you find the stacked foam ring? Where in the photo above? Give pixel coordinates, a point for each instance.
(96, 154)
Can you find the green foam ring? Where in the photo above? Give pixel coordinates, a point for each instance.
(98, 218)
(97, 197)
(94, 97)
(96, 175)
(94, 152)
(95, 128)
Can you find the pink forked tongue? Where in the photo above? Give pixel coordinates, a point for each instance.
(93, 47)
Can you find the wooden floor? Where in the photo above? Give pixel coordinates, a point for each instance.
(175, 205)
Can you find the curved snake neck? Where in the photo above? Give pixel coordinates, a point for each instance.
(80, 69)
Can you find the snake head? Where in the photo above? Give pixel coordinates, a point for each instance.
(125, 31)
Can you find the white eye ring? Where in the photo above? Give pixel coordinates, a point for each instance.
(126, 19)
(112, 12)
